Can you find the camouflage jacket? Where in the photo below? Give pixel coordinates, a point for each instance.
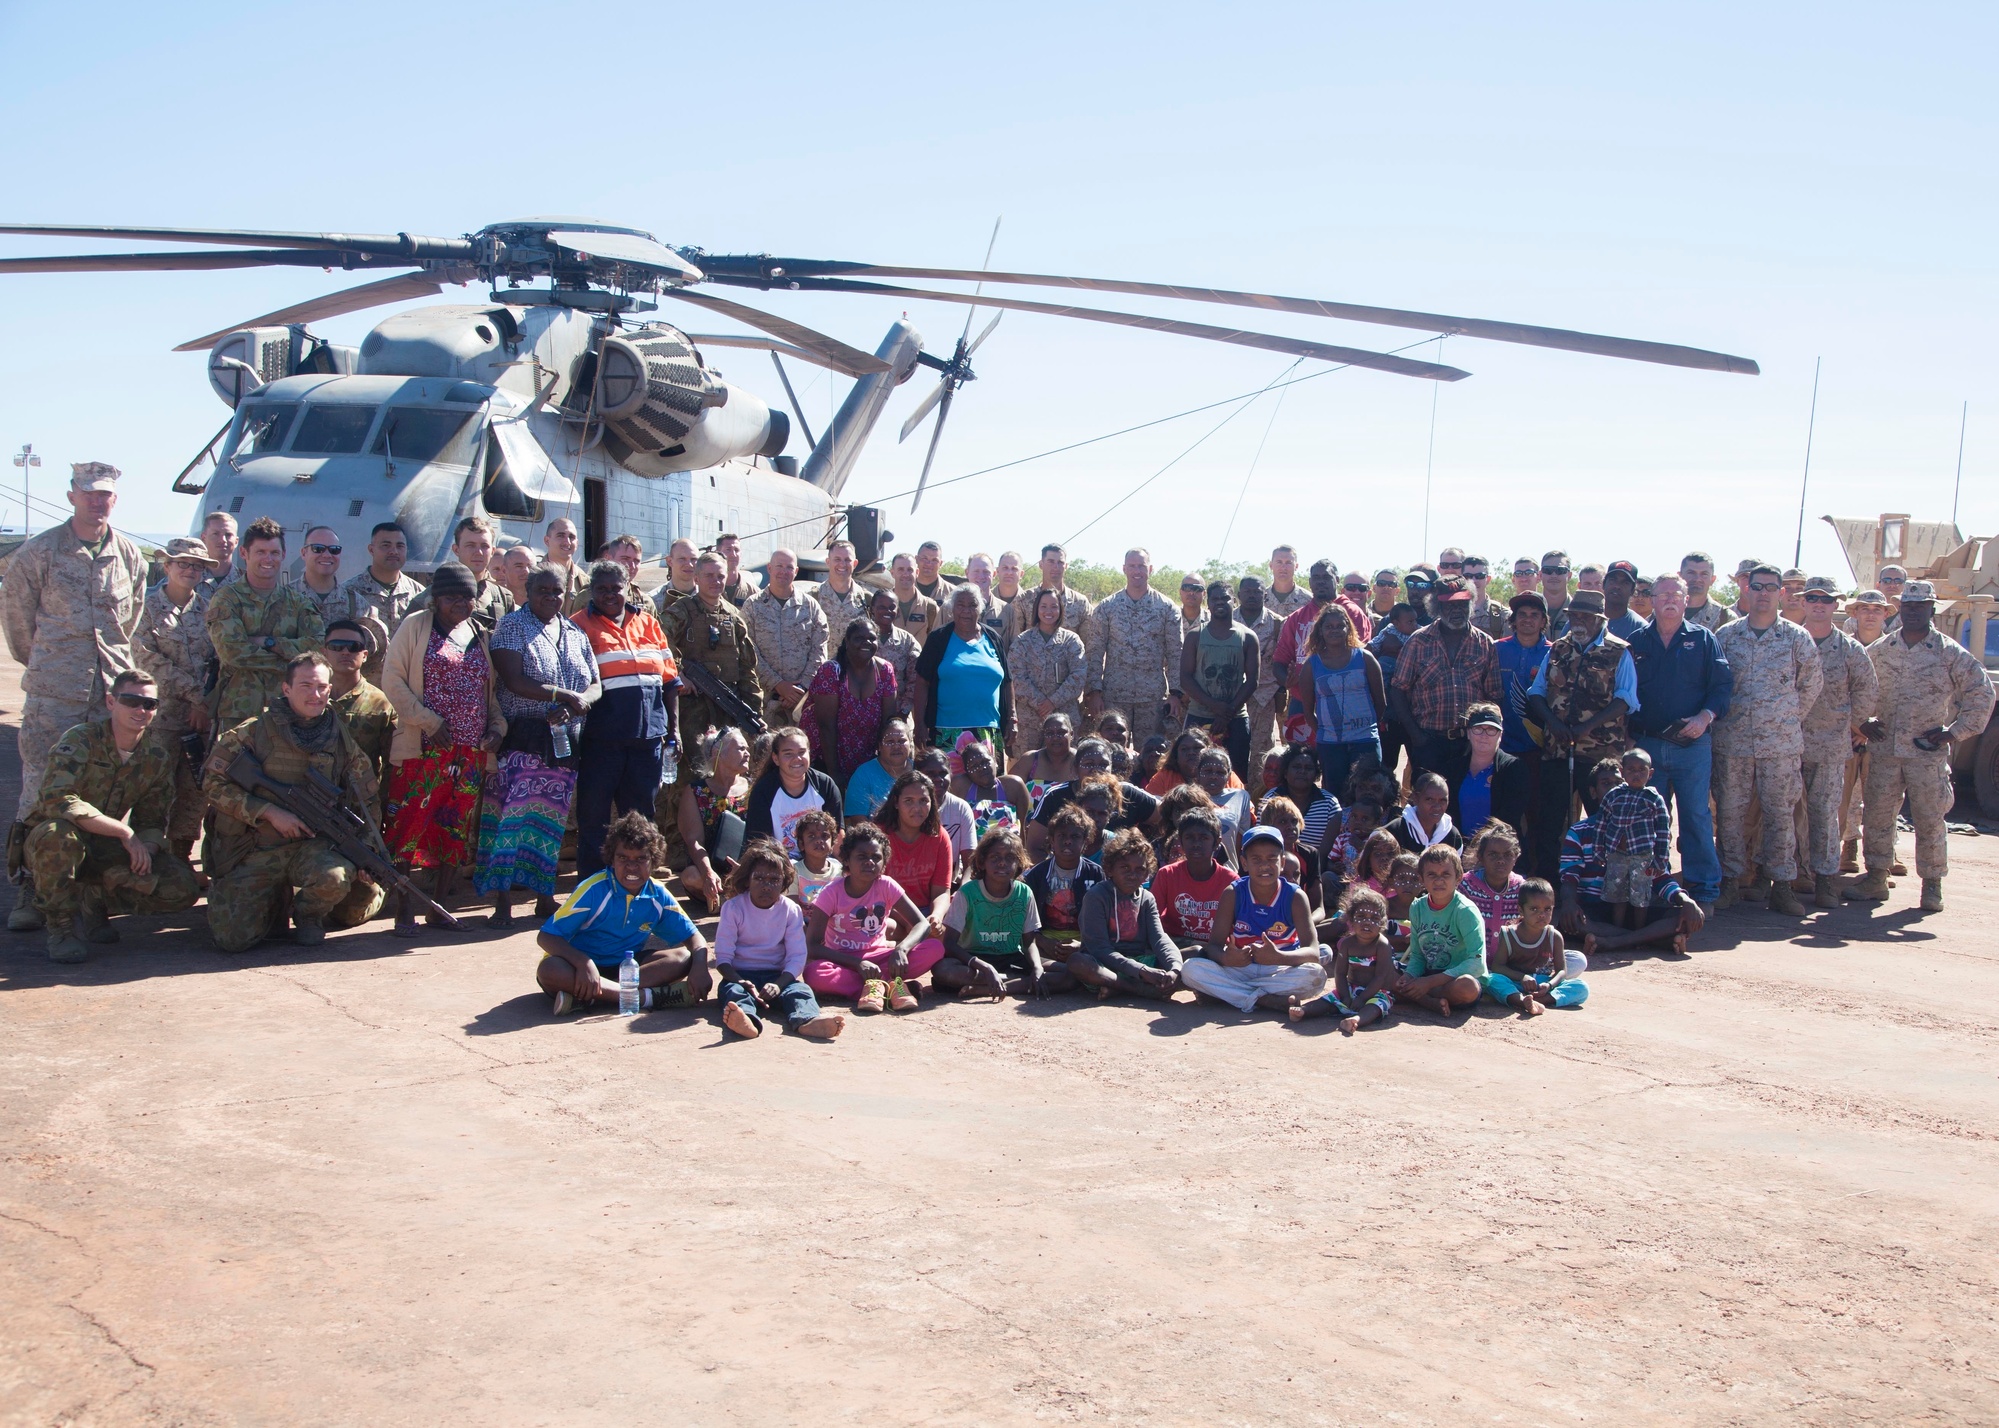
(269, 737)
(789, 635)
(1850, 697)
(172, 646)
(1778, 676)
(841, 611)
(1936, 681)
(70, 615)
(239, 621)
(1137, 646)
(85, 776)
(334, 605)
(371, 723)
(719, 639)
(1075, 614)
(1710, 616)
(1581, 684)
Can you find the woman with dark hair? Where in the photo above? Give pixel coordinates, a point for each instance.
(1054, 762)
(1183, 762)
(787, 790)
(1298, 780)
(1342, 688)
(1496, 785)
(919, 850)
(849, 703)
(1048, 665)
(962, 685)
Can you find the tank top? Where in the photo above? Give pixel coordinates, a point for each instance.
(1218, 662)
(1345, 707)
(1252, 920)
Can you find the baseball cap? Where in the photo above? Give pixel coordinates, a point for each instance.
(1485, 716)
(93, 476)
(1451, 589)
(1261, 833)
(1623, 567)
(1529, 599)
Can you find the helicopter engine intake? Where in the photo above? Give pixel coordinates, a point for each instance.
(664, 411)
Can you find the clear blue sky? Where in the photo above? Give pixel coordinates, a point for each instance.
(1784, 182)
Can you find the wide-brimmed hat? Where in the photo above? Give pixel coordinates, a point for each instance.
(188, 548)
(1821, 584)
(1871, 597)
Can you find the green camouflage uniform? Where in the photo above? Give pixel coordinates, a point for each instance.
(1935, 682)
(1759, 745)
(86, 776)
(172, 646)
(371, 723)
(1850, 696)
(718, 639)
(250, 863)
(369, 599)
(239, 620)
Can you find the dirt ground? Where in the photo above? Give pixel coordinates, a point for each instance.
(378, 1185)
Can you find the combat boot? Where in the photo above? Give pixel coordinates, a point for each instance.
(1758, 888)
(1932, 894)
(93, 918)
(1804, 883)
(1784, 900)
(308, 931)
(65, 945)
(1731, 894)
(25, 917)
(1849, 856)
(1824, 892)
(1872, 888)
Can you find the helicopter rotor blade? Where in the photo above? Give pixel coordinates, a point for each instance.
(986, 332)
(923, 409)
(833, 352)
(936, 435)
(399, 289)
(410, 245)
(1297, 347)
(200, 262)
(1595, 344)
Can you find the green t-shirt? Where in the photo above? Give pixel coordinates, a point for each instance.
(988, 928)
(1446, 938)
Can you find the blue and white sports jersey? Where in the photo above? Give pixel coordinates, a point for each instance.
(604, 922)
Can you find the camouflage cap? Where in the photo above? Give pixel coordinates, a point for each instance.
(1745, 565)
(1918, 592)
(1793, 574)
(1821, 583)
(1586, 602)
(188, 548)
(1871, 597)
(93, 476)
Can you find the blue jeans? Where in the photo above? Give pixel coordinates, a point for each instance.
(795, 1004)
(620, 773)
(1684, 777)
(1336, 764)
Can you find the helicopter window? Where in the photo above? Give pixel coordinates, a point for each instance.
(429, 434)
(265, 425)
(502, 495)
(330, 430)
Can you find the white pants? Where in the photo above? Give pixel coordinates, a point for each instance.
(1241, 986)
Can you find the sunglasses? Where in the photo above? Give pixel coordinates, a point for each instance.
(1891, 580)
(318, 548)
(1766, 586)
(1446, 567)
(1477, 572)
(1819, 597)
(1356, 588)
(1554, 570)
(344, 646)
(138, 701)
(1387, 582)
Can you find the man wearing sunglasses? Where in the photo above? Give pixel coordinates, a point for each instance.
(97, 832)
(1555, 590)
(73, 599)
(1387, 594)
(1849, 699)
(1493, 619)
(319, 573)
(1759, 744)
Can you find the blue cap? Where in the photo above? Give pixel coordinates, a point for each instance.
(1260, 833)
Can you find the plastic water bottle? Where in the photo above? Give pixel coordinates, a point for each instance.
(628, 986)
(669, 761)
(558, 735)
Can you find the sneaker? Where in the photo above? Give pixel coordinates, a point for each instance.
(673, 994)
(561, 1004)
(874, 992)
(901, 996)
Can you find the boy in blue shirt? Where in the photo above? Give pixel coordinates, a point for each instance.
(619, 909)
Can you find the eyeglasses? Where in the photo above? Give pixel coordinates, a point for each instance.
(344, 646)
(319, 548)
(1357, 588)
(1890, 580)
(138, 701)
(1477, 573)
(1386, 582)
(1766, 586)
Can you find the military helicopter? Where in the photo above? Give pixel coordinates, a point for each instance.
(565, 400)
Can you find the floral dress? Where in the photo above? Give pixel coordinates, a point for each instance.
(857, 725)
(431, 814)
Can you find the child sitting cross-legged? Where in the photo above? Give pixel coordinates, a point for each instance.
(1491, 884)
(760, 950)
(849, 949)
(1533, 961)
(1446, 966)
(1364, 969)
(1125, 949)
(621, 909)
(989, 941)
(1264, 947)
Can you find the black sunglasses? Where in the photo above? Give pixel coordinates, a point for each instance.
(1766, 587)
(1356, 587)
(1554, 570)
(1387, 582)
(1819, 597)
(345, 646)
(318, 548)
(1446, 566)
(138, 701)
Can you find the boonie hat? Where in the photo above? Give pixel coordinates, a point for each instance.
(1821, 583)
(1918, 591)
(1793, 574)
(93, 476)
(1870, 597)
(188, 548)
(1586, 602)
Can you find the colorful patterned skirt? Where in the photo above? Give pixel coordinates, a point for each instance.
(520, 832)
(430, 817)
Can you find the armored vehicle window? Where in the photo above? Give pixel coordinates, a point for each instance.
(429, 434)
(265, 425)
(329, 430)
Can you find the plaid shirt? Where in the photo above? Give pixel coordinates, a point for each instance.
(1582, 866)
(1441, 688)
(1632, 820)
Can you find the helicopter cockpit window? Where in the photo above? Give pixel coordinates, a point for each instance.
(427, 435)
(265, 426)
(328, 429)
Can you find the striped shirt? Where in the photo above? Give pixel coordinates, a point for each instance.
(636, 669)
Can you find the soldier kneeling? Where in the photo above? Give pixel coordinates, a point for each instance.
(259, 852)
(97, 835)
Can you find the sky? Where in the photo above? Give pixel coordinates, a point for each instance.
(1795, 184)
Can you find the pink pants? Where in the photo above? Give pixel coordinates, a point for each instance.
(830, 979)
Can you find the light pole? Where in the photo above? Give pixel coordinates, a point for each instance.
(27, 461)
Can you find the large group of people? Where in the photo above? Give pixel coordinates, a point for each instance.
(1372, 790)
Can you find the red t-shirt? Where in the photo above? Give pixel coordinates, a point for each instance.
(922, 867)
(1187, 907)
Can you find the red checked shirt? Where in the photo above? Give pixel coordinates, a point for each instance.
(636, 669)
(1440, 687)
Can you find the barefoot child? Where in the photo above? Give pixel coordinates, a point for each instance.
(1125, 949)
(1532, 960)
(1492, 885)
(847, 931)
(1405, 881)
(989, 928)
(1264, 948)
(1061, 881)
(620, 909)
(1363, 967)
(1446, 967)
(1301, 864)
(760, 950)
(815, 866)
(1343, 858)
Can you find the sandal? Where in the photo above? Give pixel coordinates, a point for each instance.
(901, 996)
(873, 992)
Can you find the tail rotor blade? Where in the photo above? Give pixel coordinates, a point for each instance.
(923, 409)
(936, 435)
(983, 335)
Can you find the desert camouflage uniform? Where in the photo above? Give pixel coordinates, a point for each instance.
(490, 604)
(919, 615)
(1135, 658)
(250, 864)
(1286, 605)
(369, 598)
(69, 614)
(1934, 682)
(790, 641)
(333, 605)
(718, 639)
(739, 591)
(1075, 614)
(1710, 616)
(86, 776)
(1759, 744)
(1051, 667)
(901, 649)
(172, 646)
(841, 611)
(1265, 713)
(239, 620)
(1492, 617)
(1850, 696)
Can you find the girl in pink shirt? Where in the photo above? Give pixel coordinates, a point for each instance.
(850, 951)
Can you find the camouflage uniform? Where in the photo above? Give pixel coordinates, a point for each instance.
(1934, 682)
(172, 646)
(1075, 614)
(1850, 696)
(1710, 616)
(371, 724)
(250, 864)
(1759, 744)
(739, 591)
(369, 598)
(1581, 684)
(1134, 661)
(1286, 605)
(901, 649)
(86, 776)
(841, 611)
(240, 619)
(69, 614)
(1265, 713)
(492, 602)
(720, 640)
(919, 615)
(1492, 617)
(790, 641)
(333, 605)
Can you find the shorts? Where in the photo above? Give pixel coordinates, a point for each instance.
(1627, 878)
(1356, 1003)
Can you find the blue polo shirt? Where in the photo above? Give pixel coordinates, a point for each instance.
(1678, 681)
(604, 922)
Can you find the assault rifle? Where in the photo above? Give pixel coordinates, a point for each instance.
(727, 702)
(324, 809)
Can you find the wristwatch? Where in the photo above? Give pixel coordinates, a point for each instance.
(270, 642)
